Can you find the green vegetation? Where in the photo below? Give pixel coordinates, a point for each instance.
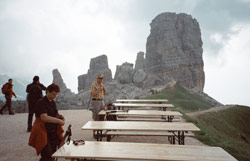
(229, 129)
(182, 99)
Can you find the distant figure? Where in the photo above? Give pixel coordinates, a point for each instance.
(98, 92)
(34, 91)
(8, 92)
(47, 132)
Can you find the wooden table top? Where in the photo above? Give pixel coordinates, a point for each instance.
(143, 113)
(139, 126)
(143, 100)
(142, 105)
(142, 151)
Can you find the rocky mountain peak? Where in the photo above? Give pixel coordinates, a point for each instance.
(98, 65)
(57, 78)
(174, 50)
(140, 61)
(64, 91)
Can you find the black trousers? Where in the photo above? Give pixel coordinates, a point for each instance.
(50, 148)
(7, 104)
(31, 107)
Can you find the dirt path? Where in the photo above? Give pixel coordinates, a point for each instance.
(215, 109)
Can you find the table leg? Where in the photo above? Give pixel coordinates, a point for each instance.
(182, 138)
(179, 137)
(98, 135)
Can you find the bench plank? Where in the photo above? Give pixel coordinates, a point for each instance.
(142, 151)
(142, 133)
(143, 105)
(143, 100)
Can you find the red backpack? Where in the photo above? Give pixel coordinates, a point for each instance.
(5, 88)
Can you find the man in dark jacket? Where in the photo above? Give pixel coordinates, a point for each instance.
(34, 91)
(8, 94)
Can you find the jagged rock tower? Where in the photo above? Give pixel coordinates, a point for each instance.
(174, 50)
(98, 65)
(64, 91)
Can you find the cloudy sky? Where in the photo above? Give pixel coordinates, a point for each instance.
(39, 36)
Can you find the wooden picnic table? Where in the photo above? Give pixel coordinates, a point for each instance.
(130, 105)
(142, 100)
(177, 130)
(164, 115)
(141, 151)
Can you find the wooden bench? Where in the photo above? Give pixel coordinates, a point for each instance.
(172, 137)
(163, 107)
(140, 115)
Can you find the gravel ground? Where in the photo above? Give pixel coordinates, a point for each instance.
(14, 138)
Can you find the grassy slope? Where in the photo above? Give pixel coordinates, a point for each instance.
(226, 129)
(182, 99)
(229, 129)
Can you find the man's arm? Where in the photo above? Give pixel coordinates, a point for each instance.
(42, 87)
(27, 88)
(104, 90)
(14, 93)
(44, 117)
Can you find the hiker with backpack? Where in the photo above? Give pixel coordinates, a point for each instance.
(35, 93)
(8, 93)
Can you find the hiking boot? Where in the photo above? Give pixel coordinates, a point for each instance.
(11, 113)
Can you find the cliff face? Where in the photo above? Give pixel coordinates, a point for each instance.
(174, 50)
(124, 73)
(140, 61)
(64, 91)
(98, 65)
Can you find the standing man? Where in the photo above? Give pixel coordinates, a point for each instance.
(98, 92)
(8, 92)
(46, 133)
(34, 91)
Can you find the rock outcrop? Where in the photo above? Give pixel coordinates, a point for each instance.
(124, 73)
(98, 65)
(140, 61)
(174, 50)
(64, 91)
(139, 77)
(82, 79)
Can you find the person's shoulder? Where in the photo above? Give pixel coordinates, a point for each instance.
(94, 83)
(29, 84)
(42, 86)
(42, 100)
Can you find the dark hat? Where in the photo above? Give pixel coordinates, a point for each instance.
(100, 76)
(36, 78)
